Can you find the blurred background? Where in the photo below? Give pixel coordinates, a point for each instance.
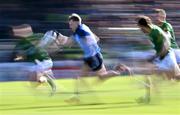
(112, 20)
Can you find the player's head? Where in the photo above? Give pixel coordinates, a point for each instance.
(160, 15)
(144, 23)
(22, 31)
(74, 21)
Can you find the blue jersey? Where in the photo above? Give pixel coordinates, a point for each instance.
(86, 40)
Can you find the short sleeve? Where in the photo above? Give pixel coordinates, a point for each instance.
(81, 32)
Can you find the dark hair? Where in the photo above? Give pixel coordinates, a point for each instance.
(75, 17)
(144, 21)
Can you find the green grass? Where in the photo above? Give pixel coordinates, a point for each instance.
(115, 96)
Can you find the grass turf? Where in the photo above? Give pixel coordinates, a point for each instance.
(115, 96)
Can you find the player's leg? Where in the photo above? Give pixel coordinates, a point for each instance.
(43, 68)
(50, 80)
(34, 79)
(120, 69)
(104, 74)
(166, 67)
(79, 81)
(96, 64)
(150, 82)
(79, 84)
(32, 74)
(148, 87)
(123, 69)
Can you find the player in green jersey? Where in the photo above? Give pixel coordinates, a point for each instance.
(40, 65)
(160, 17)
(164, 59)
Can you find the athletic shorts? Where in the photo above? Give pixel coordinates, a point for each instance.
(168, 63)
(177, 55)
(94, 62)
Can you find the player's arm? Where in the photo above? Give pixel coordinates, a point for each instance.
(18, 53)
(64, 40)
(54, 38)
(165, 47)
(166, 30)
(18, 58)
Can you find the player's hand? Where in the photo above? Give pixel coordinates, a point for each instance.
(18, 58)
(61, 39)
(48, 38)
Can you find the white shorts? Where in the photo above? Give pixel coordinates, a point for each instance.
(25, 70)
(39, 68)
(177, 55)
(42, 65)
(168, 64)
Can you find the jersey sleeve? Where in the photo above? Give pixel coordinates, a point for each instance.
(81, 32)
(167, 28)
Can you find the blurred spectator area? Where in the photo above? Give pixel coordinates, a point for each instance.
(100, 15)
(112, 20)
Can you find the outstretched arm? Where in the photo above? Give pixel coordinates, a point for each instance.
(53, 37)
(64, 40)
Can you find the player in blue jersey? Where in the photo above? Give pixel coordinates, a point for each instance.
(87, 40)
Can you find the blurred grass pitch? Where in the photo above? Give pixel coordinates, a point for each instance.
(113, 97)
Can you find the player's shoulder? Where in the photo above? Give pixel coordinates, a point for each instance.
(155, 28)
(167, 24)
(82, 30)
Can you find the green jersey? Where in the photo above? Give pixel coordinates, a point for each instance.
(168, 28)
(28, 48)
(159, 39)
